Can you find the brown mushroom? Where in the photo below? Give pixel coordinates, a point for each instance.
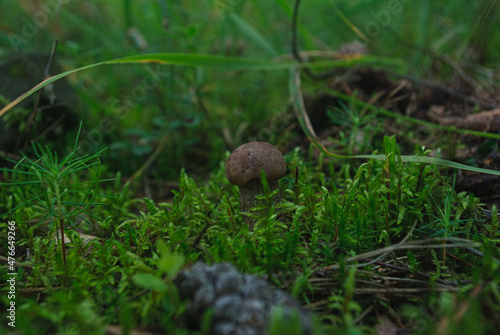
(243, 169)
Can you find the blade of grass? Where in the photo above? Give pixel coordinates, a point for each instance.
(394, 115)
(227, 63)
(349, 23)
(304, 33)
(253, 35)
(299, 107)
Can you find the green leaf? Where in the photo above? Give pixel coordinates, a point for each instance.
(149, 281)
(169, 262)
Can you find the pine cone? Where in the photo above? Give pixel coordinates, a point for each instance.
(240, 303)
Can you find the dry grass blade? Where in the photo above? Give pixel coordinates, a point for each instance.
(435, 243)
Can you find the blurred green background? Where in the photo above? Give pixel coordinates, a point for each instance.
(198, 112)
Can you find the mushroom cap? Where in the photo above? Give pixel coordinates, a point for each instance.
(245, 162)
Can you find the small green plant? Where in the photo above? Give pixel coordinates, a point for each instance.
(50, 191)
(346, 306)
(320, 244)
(359, 126)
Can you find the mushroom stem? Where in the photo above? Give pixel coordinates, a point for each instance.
(248, 198)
